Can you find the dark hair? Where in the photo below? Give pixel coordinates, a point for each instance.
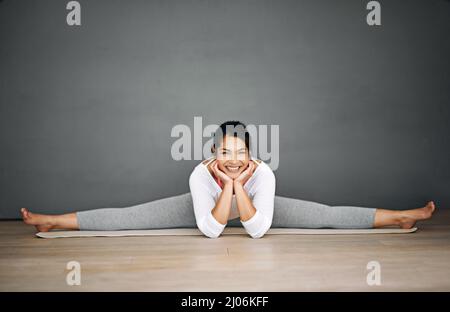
(232, 128)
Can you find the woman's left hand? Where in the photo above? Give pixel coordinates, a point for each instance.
(246, 174)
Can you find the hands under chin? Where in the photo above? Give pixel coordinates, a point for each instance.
(239, 181)
(226, 180)
(245, 175)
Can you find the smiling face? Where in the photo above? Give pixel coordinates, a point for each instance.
(232, 156)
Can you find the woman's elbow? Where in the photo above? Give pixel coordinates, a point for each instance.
(260, 233)
(212, 235)
(257, 235)
(208, 233)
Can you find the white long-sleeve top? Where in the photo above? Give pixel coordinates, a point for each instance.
(205, 192)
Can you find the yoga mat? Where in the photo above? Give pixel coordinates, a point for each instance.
(227, 231)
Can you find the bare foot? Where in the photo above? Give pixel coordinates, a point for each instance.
(409, 218)
(41, 222)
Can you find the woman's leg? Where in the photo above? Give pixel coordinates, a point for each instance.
(296, 213)
(170, 212)
(406, 219)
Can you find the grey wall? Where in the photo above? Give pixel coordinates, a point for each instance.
(86, 112)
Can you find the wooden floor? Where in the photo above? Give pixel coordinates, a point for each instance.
(409, 262)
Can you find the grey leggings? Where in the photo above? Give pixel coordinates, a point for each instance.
(178, 212)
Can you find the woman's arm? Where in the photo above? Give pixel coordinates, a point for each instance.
(221, 210)
(211, 216)
(203, 202)
(244, 203)
(256, 216)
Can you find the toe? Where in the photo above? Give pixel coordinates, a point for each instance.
(430, 209)
(25, 213)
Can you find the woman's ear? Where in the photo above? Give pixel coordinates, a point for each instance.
(213, 149)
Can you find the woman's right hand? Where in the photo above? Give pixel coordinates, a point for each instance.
(220, 174)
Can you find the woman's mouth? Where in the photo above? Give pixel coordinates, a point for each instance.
(233, 169)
